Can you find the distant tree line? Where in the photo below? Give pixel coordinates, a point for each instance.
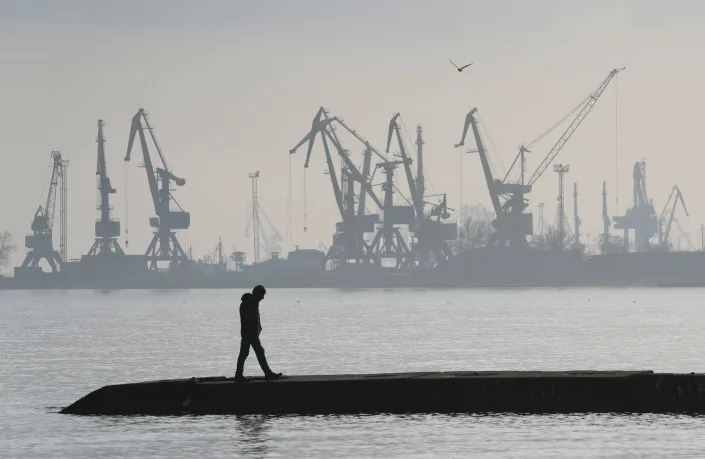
(475, 230)
(6, 247)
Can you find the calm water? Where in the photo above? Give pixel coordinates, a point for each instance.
(57, 346)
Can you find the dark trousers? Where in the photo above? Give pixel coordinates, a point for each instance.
(245, 344)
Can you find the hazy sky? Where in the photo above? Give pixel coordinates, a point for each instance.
(231, 86)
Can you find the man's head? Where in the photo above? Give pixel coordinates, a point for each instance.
(258, 292)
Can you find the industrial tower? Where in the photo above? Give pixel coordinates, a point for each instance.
(40, 242)
(540, 223)
(561, 170)
(106, 229)
(269, 236)
(576, 220)
(605, 216)
(255, 215)
(164, 245)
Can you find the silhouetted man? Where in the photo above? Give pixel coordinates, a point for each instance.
(250, 328)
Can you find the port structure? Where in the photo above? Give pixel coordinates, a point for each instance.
(431, 235)
(561, 170)
(354, 187)
(164, 246)
(576, 221)
(269, 236)
(349, 244)
(107, 229)
(255, 215)
(606, 223)
(641, 217)
(388, 242)
(40, 242)
(509, 202)
(666, 217)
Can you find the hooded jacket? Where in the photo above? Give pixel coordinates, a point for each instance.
(250, 325)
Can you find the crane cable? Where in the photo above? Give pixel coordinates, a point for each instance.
(289, 211)
(484, 131)
(127, 221)
(559, 122)
(305, 194)
(616, 142)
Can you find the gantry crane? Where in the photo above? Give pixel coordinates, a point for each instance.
(431, 235)
(512, 224)
(164, 245)
(642, 216)
(106, 229)
(40, 243)
(670, 208)
(349, 244)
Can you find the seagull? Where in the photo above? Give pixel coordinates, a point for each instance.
(460, 69)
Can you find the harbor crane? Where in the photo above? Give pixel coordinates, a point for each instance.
(40, 242)
(349, 244)
(431, 235)
(512, 224)
(669, 209)
(164, 245)
(641, 217)
(106, 229)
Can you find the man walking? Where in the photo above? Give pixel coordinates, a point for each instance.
(250, 328)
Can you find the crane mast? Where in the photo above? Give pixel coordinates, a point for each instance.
(420, 180)
(106, 229)
(164, 245)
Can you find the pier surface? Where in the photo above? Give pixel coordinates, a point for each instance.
(431, 392)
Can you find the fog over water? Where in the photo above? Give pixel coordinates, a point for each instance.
(231, 86)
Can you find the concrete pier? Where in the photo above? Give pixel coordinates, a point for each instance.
(432, 392)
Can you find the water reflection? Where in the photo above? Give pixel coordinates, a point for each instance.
(253, 435)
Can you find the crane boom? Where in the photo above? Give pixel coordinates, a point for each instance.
(104, 186)
(415, 198)
(579, 118)
(136, 128)
(322, 124)
(471, 121)
(50, 206)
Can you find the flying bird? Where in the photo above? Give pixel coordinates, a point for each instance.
(460, 69)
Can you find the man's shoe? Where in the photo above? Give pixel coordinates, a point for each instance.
(240, 379)
(272, 376)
